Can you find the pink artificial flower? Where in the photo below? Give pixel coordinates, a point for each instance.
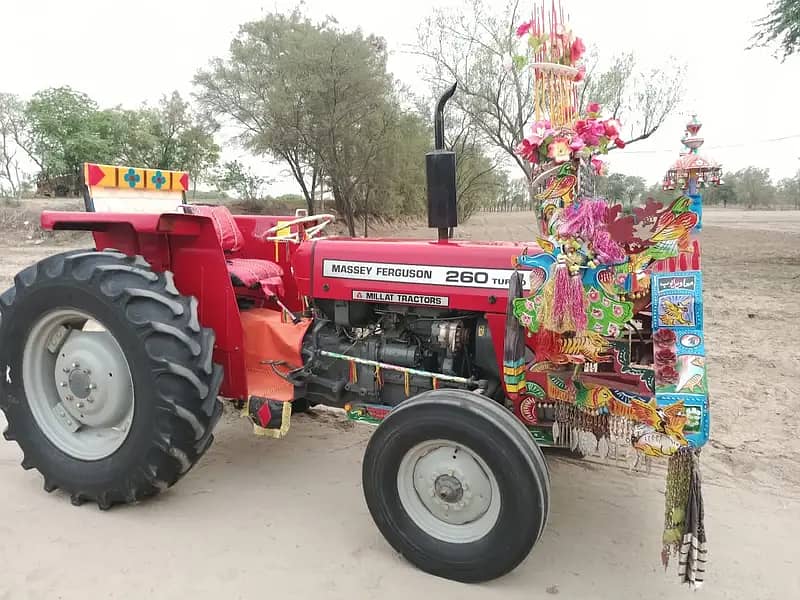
(540, 131)
(590, 130)
(577, 144)
(619, 143)
(599, 165)
(581, 73)
(577, 50)
(593, 109)
(612, 128)
(559, 150)
(524, 28)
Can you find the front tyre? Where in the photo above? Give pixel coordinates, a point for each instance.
(457, 485)
(108, 383)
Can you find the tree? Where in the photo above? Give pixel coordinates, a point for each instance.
(628, 189)
(11, 125)
(781, 27)
(470, 45)
(312, 96)
(262, 88)
(788, 192)
(170, 136)
(64, 130)
(640, 98)
(723, 194)
(753, 187)
(236, 177)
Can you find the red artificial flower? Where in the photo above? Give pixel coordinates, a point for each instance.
(581, 73)
(599, 165)
(612, 128)
(666, 356)
(528, 151)
(577, 50)
(666, 375)
(619, 143)
(593, 109)
(524, 28)
(664, 337)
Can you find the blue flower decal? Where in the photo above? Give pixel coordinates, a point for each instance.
(132, 177)
(158, 180)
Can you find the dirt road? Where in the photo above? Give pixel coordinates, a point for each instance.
(260, 518)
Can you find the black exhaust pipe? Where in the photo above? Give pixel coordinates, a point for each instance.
(440, 170)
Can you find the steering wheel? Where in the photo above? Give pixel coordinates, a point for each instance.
(310, 232)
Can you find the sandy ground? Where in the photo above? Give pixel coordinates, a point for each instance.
(260, 518)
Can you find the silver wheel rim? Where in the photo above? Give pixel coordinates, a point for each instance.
(448, 491)
(78, 384)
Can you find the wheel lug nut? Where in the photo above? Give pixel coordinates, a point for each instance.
(92, 386)
(63, 384)
(75, 365)
(79, 405)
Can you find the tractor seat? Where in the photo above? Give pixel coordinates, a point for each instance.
(249, 273)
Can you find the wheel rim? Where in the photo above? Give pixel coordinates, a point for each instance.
(448, 491)
(78, 384)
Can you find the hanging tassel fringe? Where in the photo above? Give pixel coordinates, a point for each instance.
(684, 527)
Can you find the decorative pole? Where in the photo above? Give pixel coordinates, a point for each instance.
(693, 171)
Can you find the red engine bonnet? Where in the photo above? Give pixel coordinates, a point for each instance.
(462, 275)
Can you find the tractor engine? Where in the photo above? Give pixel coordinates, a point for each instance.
(405, 347)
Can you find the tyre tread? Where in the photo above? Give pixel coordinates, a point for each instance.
(186, 421)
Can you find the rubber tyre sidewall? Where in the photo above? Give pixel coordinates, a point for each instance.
(58, 467)
(524, 502)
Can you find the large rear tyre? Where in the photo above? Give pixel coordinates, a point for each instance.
(107, 379)
(457, 485)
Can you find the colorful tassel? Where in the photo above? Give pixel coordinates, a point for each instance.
(353, 372)
(564, 302)
(407, 384)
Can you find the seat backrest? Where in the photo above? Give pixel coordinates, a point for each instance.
(228, 232)
(110, 188)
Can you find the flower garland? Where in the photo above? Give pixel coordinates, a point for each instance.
(589, 137)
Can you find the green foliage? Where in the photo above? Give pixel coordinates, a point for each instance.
(319, 99)
(235, 177)
(781, 27)
(61, 128)
(626, 189)
(65, 129)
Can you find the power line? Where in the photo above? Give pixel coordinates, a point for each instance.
(737, 145)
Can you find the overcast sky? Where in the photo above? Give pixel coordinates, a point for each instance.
(122, 52)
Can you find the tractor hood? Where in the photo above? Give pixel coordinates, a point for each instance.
(454, 274)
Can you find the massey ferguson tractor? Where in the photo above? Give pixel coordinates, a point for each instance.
(115, 361)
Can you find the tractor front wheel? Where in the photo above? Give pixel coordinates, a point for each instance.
(107, 379)
(457, 485)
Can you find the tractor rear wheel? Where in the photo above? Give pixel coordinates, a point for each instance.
(457, 485)
(107, 379)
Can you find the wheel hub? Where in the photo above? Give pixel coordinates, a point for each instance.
(453, 491)
(78, 384)
(448, 488)
(89, 368)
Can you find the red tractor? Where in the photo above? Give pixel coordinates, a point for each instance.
(116, 360)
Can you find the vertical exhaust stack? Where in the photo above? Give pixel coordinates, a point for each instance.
(440, 170)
